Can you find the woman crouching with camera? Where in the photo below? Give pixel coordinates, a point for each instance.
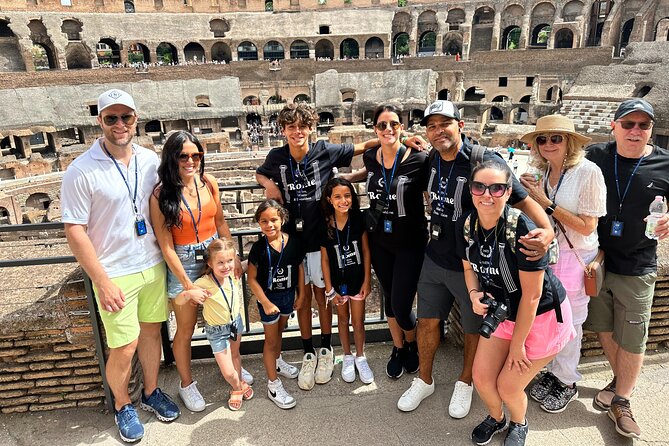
(527, 319)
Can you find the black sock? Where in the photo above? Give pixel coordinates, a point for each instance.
(308, 345)
(326, 340)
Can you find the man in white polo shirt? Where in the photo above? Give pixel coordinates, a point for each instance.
(105, 205)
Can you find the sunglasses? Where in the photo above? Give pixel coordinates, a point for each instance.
(196, 157)
(555, 139)
(110, 120)
(382, 125)
(496, 189)
(629, 125)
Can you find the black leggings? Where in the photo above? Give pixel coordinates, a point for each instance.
(398, 271)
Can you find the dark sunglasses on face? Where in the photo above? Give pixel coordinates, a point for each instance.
(629, 125)
(555, 139)
(110, 120)
(382, 125)
(197, 156)
(496, 189)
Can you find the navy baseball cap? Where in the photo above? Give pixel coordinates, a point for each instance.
(443, 108)
(634, 105)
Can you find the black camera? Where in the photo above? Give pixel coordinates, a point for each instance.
(497, 313)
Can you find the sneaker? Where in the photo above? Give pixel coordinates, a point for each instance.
(348, 368)
(285, 369)
(394, 368)
(621, 413)
(129, 427)
(160, 404)
(306, 378)
(410, 357)
(560, 396)
(412, 398)
(191, 397)
(517, 434)
(483, 433)
(602, 401)
(366, 374)
(461, 400)
(278, 394)
(543, 387)
(246, 376)
(325, 365)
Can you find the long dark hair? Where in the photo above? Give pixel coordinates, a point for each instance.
(171, 187)
(326, 206)
(385, 108)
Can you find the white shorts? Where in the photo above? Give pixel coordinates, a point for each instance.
(313, 273)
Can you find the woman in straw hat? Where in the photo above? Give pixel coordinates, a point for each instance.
(572, 191)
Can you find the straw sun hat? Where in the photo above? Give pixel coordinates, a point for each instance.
(552, 124)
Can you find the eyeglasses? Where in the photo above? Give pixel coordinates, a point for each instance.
(543, 139)
(110, 120)
(496, 189)
(629, 125)
(382, 125)
(196, 157)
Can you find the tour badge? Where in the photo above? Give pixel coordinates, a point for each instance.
(199, 255)
(299, 224)
(388, 226)
(233, 331)
(435, 231)
(343, 289)
(140, 227)
(617, 228)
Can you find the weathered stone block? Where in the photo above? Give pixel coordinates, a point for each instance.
(13, 367)
(50, 390)
(41, 365)
(82, 387)
(12, 393)
(87, 371)
(13, 352)
(43, 356)
(15, 409)
(47, 382)
(52, 406)
(17, 385)
(5, 378)
(27, 399)
(47, 374)
(80, 380)
(68, 348)
(91, 403)
(85, 395)
(83, 354)
(76, 363)
(51, 398)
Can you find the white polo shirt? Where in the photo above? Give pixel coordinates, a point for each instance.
(94, 194)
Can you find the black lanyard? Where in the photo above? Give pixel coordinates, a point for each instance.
(629, 180)
(303, 178)
(133, 196)
(557, 186)
(348, 235)
(485, 271)
(273, 269)
(225, 298)
(443, 192)
(387, 184)
(199, 211)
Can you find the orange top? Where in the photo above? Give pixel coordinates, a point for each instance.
(185, 235)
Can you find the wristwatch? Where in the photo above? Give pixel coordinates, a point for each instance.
(550, 209)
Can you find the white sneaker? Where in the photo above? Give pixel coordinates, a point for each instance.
(306, 379)
(366, 374)
(191, 397)
(247, 377)
(325, 365)
(461, 400)
(278, 394)
(348, 368)
(285, 369)
(418, 391)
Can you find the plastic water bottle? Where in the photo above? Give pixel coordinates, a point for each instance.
(657, 209)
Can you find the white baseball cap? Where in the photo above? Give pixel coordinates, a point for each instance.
(443, 108)
(115, 97)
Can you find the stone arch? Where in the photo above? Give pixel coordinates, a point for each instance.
(108, 52)
(166, 54)
(78, 56)
(247, 51)
(455, 18)
(427, 21)
(554, 94)
(519, 115)
(510, 38)
(5, 30)
(541, 35)
(202, 100)
(302, 97)
(324, 49)
(251, 100)
(626, 32)
(474, 94)
(40, 38)
(572, 10)
(526, 99)
(219, 27)
(452, 43)
(501, 98)
(349, 49)
(4, 216)
(38, 200)
(564, 38)
(374, 48)
(299, 49)
(401, 45)
(662, 30)
(401, 23)
(494, 114)
(427, 44)
(482, 27)
(220, 52)
(543, 15)
(348, 95)
(194, 52)
(129, 6)
(42, 57)
(11, 58)
(641, 91)
(444, 94)
(273, 50)
(72, 29)
(138, 53)
(415, 116)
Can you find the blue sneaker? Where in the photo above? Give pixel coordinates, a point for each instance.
(161, 404)
(129, 427)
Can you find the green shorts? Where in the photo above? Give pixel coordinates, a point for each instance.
(623, 307)
(145, 301)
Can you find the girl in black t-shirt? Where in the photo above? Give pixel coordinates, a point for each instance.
(347, 271)
(539, 317)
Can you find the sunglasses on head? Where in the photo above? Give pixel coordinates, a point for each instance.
(197, 156)
(128, 119)
(629, 125)
(496, 189)
(555, 139)
(382, 125)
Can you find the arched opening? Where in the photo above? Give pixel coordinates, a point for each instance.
(526, 99)
(452, 43)
(444, 95)
(193, 52)
(374, 48)
(367, 117)
(501, 98)
(642, 91)
(572, 10)
(219, 27)
(348, 95)
(325, 118)
(138, 53)
(511, 38)
(108, 52)
(554, 94)
(5, 30)
(220, 52)
(349, 49)
(495, 114)
(4, 216)
(41, 59)
(253, 120)
(299, 49)
(276, 99)
(564, 38)
(401, 45)
(153, 127)
(77, 56)
(324, 50)
(251, 100)
(662, 30)
(273, 50)
(482, 28)
(167, 54)
(474, 94)
(72, 29)
(39, 200)
(202, 100)
(247, 51)
(415, 116)
(427, 44)
(40, 36)
(455, 18)
(301, 98)
(519, 116)
(540, 35)
(129, 6)
(625, 33)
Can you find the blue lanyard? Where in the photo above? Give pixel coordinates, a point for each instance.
(348, 234)
(293, 171)
(225, 298)
(629, 181)
(273, 269)
(133, 196)
(557, 186)
(199, 211)
(442, 193)
(387, 184)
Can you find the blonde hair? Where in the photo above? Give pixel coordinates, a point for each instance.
(574, 156)
(218, 245)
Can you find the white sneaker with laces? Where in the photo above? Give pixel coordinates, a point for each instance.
(366, 374)
(412, 398)
(247, 377)
(278, 394)
(306, 379)
(191, 397)
(285, 369)
(461, 400)
(348, 368)
(325, 365)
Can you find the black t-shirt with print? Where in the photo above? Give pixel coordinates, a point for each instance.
(500, 276)
(449, 206)
(344, 248)
(406, 211)
(632, 254)
(285, 274)
(302, 183)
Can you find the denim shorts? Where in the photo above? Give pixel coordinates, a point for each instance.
(218, 335)
(284, 300)
(186, 254)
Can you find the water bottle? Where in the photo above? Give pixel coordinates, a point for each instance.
(657, 209)
(335, 172)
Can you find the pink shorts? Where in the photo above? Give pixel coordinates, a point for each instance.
(547, 336)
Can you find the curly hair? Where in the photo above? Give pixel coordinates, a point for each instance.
(298, 113)
(574, 156)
